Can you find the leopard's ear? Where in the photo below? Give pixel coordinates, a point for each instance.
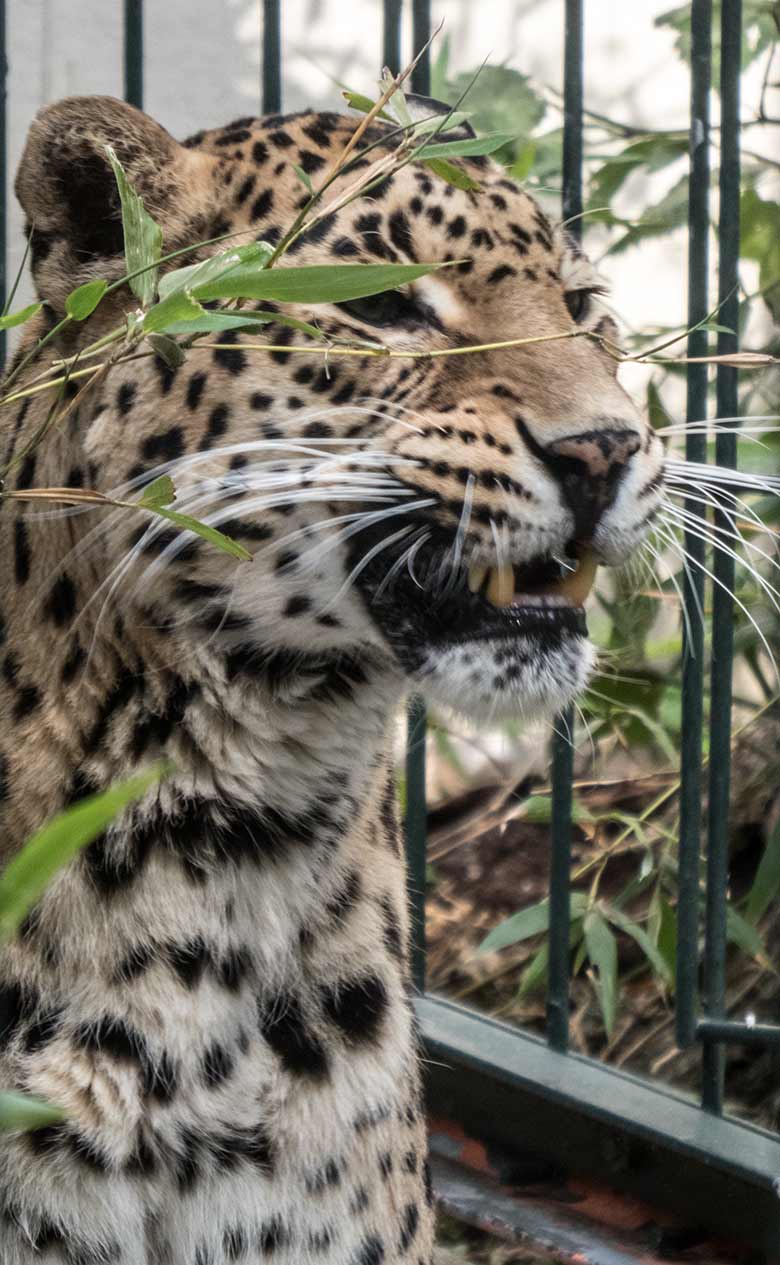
(69, 194)
(423, 107)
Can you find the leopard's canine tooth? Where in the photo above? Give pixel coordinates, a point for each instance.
(576, 586)
(476, 577)
(501, 585)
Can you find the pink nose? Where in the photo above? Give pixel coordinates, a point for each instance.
(602, 454)
(588, 468)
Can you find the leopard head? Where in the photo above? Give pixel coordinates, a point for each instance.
(441, 515)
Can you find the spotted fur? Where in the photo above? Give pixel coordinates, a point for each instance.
(217, 991)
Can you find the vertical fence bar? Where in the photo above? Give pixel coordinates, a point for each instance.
(3, 170)
(391, 35)
(416, 809)
(416, 832)
(723, 568)
(272, 56)
(563, 737)
(693, 587)
(421, 33)
(134, 52)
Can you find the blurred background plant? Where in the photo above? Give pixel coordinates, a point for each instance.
(490, 807)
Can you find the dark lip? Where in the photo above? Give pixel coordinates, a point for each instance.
(416, 618)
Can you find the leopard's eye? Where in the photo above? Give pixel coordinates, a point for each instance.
(578, 303)
(389, 308)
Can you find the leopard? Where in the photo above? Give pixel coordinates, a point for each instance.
(216, 992)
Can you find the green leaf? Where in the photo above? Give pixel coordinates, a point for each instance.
(535, 973)
(651, 152)
(214, 537)
(357, 101)
(304, 179)
(758, 30)
(670, 212)
(167, 349)
(21, 317)
(314, 283)
(82, 301)
(218, 322)
(742, 933)
(143, 237)
(473, 146)
(528, 922)
(159, 493)
(451, 174)
(766, 884)
(499, 100)
(20, 1111)
(667, 934)
(254, 255)
(177, 308)
(27, 875)
(637, 933)
(760, 241)
(602, 951)
(538, 809)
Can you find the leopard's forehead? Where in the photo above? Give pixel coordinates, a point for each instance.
(499, 229)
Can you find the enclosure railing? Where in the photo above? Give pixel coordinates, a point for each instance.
(500, 1084)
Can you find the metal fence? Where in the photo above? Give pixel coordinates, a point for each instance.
(501, 1085)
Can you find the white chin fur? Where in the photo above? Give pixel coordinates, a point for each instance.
(492, 681)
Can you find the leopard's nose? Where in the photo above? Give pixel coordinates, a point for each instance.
(589, 467)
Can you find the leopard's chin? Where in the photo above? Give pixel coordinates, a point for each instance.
(497, 679)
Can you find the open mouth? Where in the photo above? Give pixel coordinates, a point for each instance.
(428, 605)
(543, 582)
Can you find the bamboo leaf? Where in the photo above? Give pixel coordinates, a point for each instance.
(451, 174)
(314, 283)
(357, 101)
(742, 933)
(27, 875)
(176, 308)
(21, 317)
(20, 1111)
(473, 146)
(159, 493)
(82, 301)
(143, 237)
(167, 349)
(253, 255)
(214, 537)
(218, 322)
(766, 884)
(637, 933)
(304, 179)
(535, 973)
(602, 951)
(528, 922)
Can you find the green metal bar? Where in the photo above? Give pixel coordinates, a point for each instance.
(134, 52)
(416, 830)
(693, 587)
(562, 750)
(416, 807)
(272, 56)
(759, 1034)
(3, 169)
(572, 116)
(391, 36)
(558, 968)
(421, 33)
(713, 1062)
(513, 1093)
